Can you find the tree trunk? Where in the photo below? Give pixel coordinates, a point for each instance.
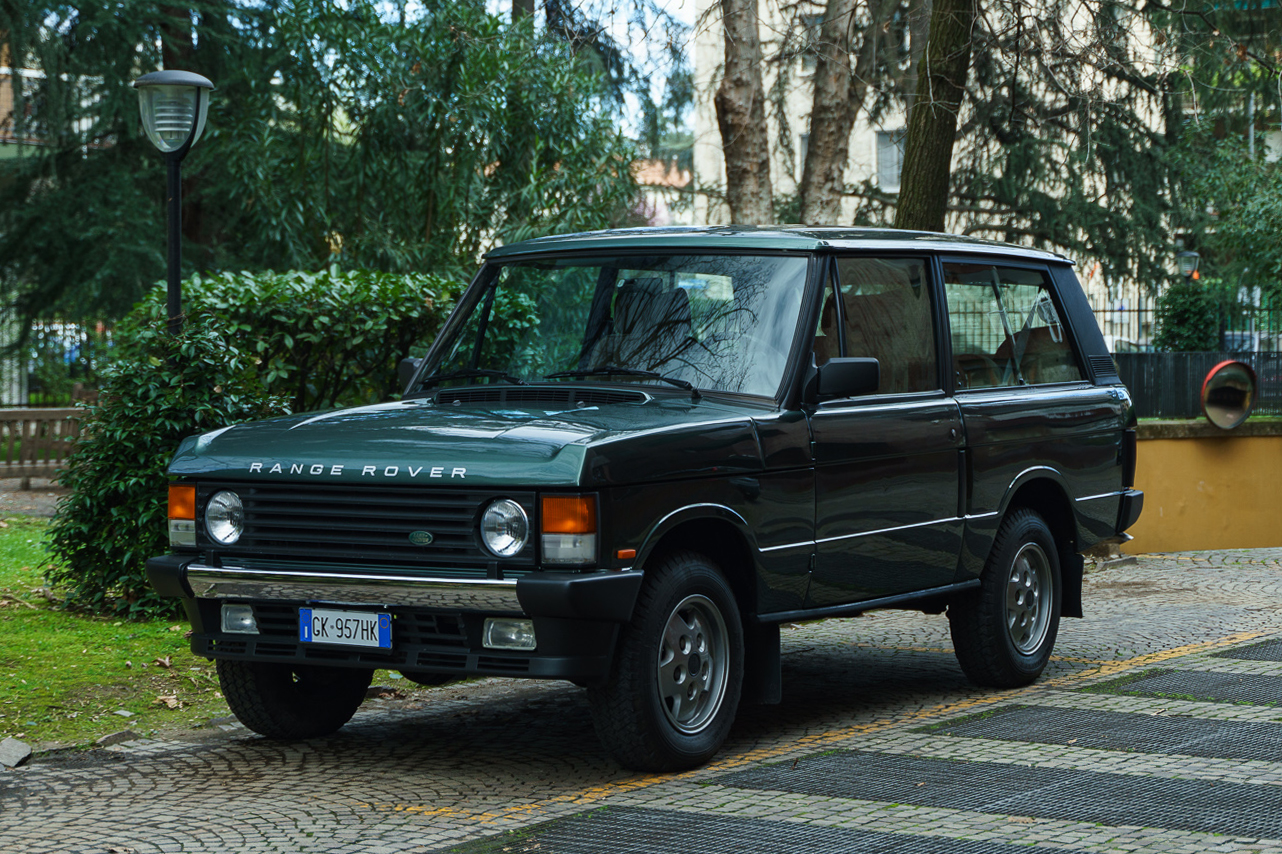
(918, 34)
(932, 125)
(176, 45)
(741, 116)
(838, 96)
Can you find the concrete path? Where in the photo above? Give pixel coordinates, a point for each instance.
(1157, 728)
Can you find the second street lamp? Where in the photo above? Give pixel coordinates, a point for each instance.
(174, 105)
(1187, 262)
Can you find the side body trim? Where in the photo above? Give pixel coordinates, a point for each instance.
(854, 609)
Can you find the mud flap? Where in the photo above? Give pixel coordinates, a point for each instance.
(762, 671)
(1070, 582)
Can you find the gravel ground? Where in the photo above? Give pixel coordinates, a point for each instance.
(39, 500)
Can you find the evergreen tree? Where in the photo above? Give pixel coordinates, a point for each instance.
(372, 135)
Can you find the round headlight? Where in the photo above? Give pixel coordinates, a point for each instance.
(225, 517)
(504, 527)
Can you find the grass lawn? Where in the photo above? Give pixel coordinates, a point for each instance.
(63, 676)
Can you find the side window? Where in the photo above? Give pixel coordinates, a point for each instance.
(1005, 328)
(885, 313)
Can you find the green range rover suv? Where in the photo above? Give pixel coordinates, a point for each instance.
(630, 456)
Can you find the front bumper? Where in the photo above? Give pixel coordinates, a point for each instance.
(437, 622)
(604, 595)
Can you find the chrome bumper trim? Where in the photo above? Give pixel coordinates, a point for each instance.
(232, 582)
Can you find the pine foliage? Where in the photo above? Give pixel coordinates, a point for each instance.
(389, 136)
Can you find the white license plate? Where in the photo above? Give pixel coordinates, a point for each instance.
(345, 628)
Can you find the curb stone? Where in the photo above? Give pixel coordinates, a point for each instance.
(14, 753)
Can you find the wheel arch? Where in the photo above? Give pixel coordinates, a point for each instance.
(1044, 491)
(718, 533)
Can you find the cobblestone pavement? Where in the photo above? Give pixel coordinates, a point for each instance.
(1157, 728)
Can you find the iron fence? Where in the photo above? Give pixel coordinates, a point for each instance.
(55, 366)
(1169, 385)
(1252, 323)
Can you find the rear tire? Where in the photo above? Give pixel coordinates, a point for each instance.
(678, 671)
(1004, 632)
(289, 702)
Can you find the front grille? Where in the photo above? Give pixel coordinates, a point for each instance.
(331, 527)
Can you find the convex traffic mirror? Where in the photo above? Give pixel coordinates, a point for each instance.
(1228, 393)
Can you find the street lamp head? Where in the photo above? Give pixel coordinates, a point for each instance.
(174, 105)
(1187, 262)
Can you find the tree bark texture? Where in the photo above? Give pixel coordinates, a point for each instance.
(176, 45)
(932, 125)
(838, 97)
(918, 34)
(741, 115)
(522, 9)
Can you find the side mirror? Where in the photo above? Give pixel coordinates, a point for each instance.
(405, 371)
(838, 378)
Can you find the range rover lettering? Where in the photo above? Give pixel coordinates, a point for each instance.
(630, 456)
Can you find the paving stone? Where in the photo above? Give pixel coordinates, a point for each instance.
(478, 759)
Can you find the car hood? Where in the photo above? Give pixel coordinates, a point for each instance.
(417, 442)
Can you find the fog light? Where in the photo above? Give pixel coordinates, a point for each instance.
(239, 620)
(508, 634)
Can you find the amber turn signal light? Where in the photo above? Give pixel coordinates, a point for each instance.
(569, 514)
(182, 501)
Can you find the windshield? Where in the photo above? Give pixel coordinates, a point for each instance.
(714, 322)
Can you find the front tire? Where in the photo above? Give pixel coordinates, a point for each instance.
(678, 672)
(290, 702)
(1003, 633)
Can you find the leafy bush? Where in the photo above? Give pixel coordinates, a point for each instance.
(321, 339)
(1189, 315)
(160, 390)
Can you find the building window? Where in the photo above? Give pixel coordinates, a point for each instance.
(810, 27)
(890, 158)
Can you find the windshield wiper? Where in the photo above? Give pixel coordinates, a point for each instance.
(609, 370)
(468, 373)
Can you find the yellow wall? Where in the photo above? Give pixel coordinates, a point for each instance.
(1208, 492)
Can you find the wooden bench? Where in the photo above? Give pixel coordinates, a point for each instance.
(35, 442)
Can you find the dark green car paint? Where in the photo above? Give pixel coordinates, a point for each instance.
(665, 437)
(810, 508)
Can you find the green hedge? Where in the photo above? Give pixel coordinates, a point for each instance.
(163, 389)
(254, 345)
(325, 339)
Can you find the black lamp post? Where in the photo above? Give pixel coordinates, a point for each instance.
(1188, 262)
(174, 105)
